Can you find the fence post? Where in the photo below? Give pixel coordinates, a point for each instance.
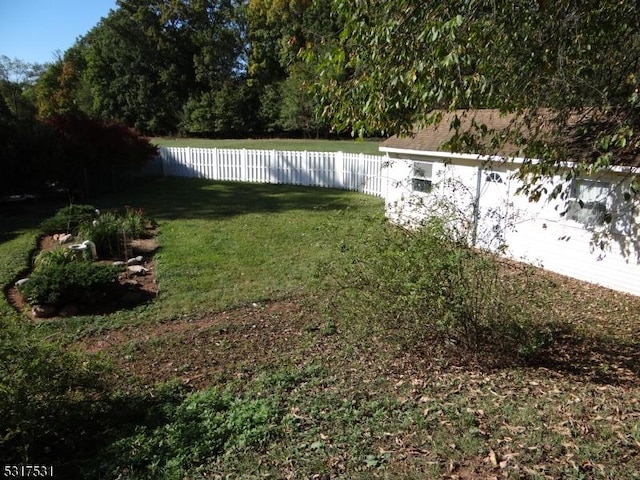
(161, 156)
(363, 170)
(339, 172)
(215, 168)
(243, 166)
(274, 167)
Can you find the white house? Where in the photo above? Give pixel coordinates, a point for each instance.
(478, 191)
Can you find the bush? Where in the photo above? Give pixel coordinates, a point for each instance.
(66, 282)
(95, 155)
(49, 398)
(425, 290)
(107, 234)
(47, 258)
(68, 219)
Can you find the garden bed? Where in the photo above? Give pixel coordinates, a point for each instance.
(132, 289)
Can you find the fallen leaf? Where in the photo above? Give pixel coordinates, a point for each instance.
(493, 458)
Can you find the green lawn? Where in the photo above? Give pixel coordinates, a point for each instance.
(368, 146)
(235, 371)
(225, 244)
(228, 244)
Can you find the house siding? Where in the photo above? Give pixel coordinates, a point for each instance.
(533, 232)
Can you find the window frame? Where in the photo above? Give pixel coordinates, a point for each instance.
(422, 177)
(585, 208)
(494, 177)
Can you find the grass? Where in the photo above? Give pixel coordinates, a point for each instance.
(238, 314)
(269, 250)
(223, 245)
(368, 146)
(18, 236)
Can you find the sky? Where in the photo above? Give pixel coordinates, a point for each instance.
(34, 30)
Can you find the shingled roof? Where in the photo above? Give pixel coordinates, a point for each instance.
(487, 126)
(436, 137)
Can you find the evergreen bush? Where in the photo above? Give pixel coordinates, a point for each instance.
(66, 282)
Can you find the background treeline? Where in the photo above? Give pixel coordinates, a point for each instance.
(206, 68)
(201, 68)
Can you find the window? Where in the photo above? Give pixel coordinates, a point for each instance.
(588, 205)
(422, 177)
(494, 177)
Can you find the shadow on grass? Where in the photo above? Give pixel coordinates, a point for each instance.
(80, 438)
(588, 358)
(184, 198)
(17, 217)
(180, 198)
(600, 360)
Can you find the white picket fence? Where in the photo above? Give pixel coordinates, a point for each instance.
(359, 172)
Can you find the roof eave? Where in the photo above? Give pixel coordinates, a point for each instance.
(627, 169)
(457, 156)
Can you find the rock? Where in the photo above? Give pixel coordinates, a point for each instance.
(118, 264)
(137, 270)
(20, 283)
(44, 311)
(92, 248)
(64, 238)
(136, 260)
(69, 311)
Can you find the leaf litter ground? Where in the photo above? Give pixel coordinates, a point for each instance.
(369, 410)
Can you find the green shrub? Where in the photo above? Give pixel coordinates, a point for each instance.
(70, 282)
(57, 256)
(68, 219)
(135, 223)
(426, 290)
(107, 234)
(50, 397)
(111, 230)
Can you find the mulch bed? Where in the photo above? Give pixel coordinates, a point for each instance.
(133, 290)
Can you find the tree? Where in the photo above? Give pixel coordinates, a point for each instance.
(278, 33)
(135, 71)
(57, 89)
(568, 69)
(228, 110)
(16, 85)
(298, 107)
(143, 62)
(276, 36)
(219, 99)
(24, 142)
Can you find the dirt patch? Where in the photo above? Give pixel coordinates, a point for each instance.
(201, 352)
(133, 288)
